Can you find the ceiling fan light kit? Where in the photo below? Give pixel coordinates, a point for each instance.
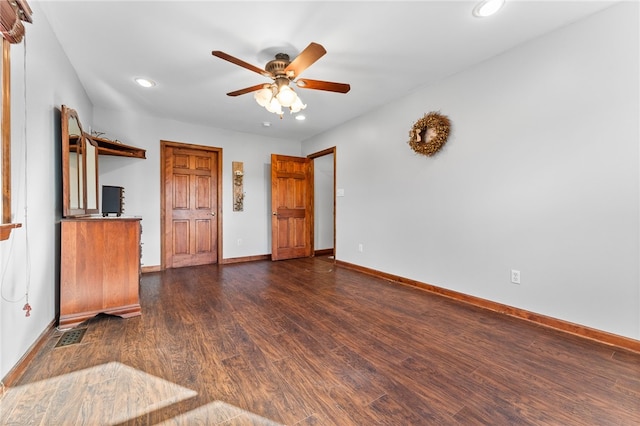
(273, 97)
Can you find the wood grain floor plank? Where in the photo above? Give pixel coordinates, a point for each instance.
(408, 389)
(306, 342)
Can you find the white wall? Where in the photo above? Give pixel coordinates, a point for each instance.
(141, 178)
(29, 260)
(540, 174)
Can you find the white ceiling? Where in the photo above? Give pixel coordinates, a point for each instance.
(384, 50)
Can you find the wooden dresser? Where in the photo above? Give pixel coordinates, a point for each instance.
(100, 268)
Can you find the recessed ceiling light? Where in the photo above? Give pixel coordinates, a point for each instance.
(144, 82)
(266, 124)
(487, 8)
(300, 117)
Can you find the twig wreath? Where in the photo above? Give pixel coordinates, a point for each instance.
(429, 133)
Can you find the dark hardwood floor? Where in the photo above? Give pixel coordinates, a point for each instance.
(305, 342)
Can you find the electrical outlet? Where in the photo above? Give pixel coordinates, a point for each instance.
(360, 248)
(515, 276)
(239, 241)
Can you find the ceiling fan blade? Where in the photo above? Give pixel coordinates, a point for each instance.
(247, 90)
(308, 56)
(329, 86)
(240, 62)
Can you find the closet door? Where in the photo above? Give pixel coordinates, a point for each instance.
(190, 206)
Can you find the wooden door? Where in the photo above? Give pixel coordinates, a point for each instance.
(191, 212)
(291, 207)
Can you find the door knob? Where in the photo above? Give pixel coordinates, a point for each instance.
(275, 213)
(213, 213)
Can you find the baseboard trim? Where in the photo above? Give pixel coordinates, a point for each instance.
(18, 370)
(555, 323)
(246, 259)
(323, 252)
(158, 268)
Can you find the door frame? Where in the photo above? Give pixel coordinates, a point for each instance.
(313, 156)
(164, 144)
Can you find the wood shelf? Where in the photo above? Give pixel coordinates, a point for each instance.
(109, 147)
(5, 230)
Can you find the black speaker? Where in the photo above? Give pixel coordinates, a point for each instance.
(112, 200)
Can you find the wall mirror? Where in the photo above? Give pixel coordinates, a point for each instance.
(79, 167)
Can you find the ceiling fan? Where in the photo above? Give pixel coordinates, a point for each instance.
(274, 96)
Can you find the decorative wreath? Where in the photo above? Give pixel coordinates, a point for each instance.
(429, 133)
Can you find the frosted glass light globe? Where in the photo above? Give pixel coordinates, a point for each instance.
(274, 106)
(286, 96)
(297, 106)
(263, 97)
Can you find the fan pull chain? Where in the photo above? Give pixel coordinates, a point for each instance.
(27, 307)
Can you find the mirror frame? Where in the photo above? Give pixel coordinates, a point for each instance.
(91, 179)
(82, 209)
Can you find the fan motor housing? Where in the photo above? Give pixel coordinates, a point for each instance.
(276, 66)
